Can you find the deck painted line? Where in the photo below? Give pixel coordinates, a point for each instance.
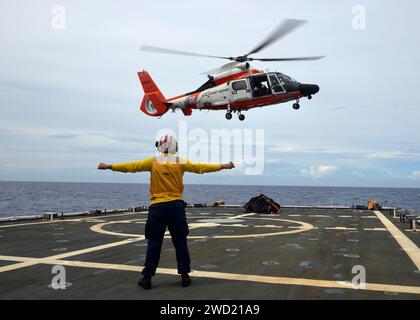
(318, 216)
(239, 277)
(35, 261)
(375, 229)
(369, 217)
(345, 216)
(339, 228)
(405, 243)
(67, 219)
(241, 216)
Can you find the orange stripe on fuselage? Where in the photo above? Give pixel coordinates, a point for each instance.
(258, 102)
(239, 75)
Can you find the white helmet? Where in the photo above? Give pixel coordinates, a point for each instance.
(167, 144)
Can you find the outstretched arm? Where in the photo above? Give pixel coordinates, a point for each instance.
(136, 166)
(205, 167)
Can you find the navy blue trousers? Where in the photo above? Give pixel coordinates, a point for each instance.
(161, 215)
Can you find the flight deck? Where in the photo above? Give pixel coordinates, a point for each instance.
(303, 253)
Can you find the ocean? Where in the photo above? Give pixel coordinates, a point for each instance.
(27, 198)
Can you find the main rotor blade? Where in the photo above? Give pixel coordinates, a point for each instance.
(282, 30)
(178, 52)
(289, 59)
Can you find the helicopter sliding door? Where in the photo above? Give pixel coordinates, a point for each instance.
(260, 86)
(240, 90)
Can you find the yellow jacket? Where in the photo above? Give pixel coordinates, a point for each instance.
(166, 175)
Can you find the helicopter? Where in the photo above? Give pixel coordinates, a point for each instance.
(235, 87)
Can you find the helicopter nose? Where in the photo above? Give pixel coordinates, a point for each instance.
(308, 89)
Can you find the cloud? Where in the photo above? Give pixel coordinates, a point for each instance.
(415, 175)
(338, 108)
(63, 136)
(386, 155)
(358, 174)
(317, 171)
(393, 155)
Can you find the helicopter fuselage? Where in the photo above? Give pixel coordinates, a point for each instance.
(245, 91)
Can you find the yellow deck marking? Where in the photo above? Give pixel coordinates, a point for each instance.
(405, 243)
(68, 219)
(34, 261)
(233, 276)
(241, 216)
(375, 229)
(269, 226)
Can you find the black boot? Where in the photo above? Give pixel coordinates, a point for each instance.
(145, 283)
(185, 280)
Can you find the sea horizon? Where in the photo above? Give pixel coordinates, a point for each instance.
(37, 197)
(217, 184)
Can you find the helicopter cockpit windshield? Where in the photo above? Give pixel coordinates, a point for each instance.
(284, 78)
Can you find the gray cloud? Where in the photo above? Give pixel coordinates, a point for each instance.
(69, 97)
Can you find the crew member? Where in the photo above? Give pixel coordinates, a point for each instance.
(167, 208)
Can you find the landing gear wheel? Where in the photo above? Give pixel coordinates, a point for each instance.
(228, 116)
(241, 117)
(296, 106)
(310, 97)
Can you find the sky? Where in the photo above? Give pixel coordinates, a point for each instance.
(69, 96)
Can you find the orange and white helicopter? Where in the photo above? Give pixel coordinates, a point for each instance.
(235, 87)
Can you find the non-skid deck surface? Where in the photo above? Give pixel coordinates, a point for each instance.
(301, 254)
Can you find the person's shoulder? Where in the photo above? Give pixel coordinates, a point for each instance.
(182, 160)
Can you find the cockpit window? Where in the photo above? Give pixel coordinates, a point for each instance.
(275, 84)
(285, 78)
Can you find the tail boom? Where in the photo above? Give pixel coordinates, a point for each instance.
(154, 103)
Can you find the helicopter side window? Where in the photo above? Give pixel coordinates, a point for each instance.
(239, 85)
(260, 86)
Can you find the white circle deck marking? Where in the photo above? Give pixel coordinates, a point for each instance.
(220, 221)
(302, 227)
(351, 255)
